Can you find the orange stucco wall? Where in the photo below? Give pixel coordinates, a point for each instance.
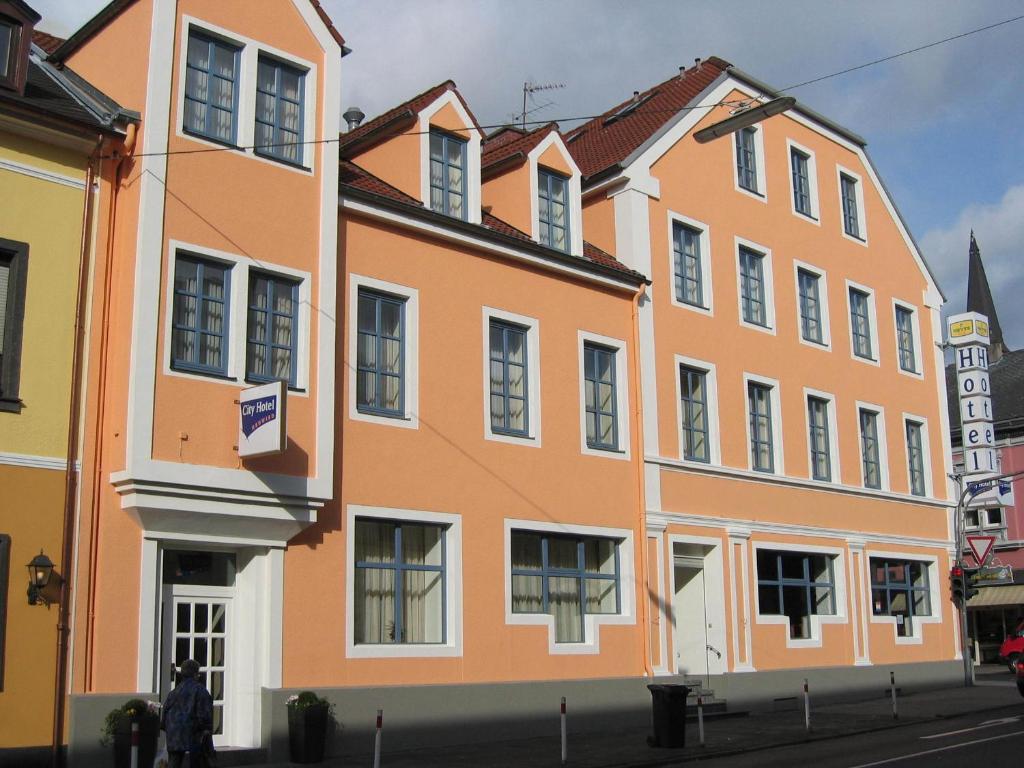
(553, 158)
(508, 197)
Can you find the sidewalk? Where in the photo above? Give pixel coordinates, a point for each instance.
(723, 736)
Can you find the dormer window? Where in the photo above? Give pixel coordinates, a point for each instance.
(8, 46)
(447, 175)
(553, 209)
(16, 23)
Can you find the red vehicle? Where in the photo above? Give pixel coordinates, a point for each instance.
(1012, 650)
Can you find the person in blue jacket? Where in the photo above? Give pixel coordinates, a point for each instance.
(188, 719)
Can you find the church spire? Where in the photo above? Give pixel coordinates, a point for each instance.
(979, 299)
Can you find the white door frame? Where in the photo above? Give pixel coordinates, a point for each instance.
(714, 597)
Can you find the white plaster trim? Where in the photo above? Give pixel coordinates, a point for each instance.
(714, 596)
(812, 182)
(934, 595)
(761, 194)
(768, 284)
(825, 319)
(452, 647)
(926, 452)
(704, 243)
(622, 412)
(862, 219)
(883, 444)
(875, 359)
(150, 573)
(839, 595)
(778, 454)
(473, 140)
(553, 139)
(915, 334)
(835, 470)
(666, 665)
(939, 369)
(36, 462)
(42, 175)
(410, 375)
(533, 422)
(592, 622)
(740, 537)
(714, 438)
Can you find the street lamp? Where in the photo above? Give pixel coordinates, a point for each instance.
(744, 119)
(40, 572)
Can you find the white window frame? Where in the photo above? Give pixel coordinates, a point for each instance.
(862, 218)
(248, 59)
(592, 621)
(775, 401)
(762, 182)
(838, 555)
(410, 418)
(825, 319)
(532, 327)
(812, 182)
(711, 408)
(574, 204)
(452, 584)
(237, 318)
(926, 454)
(933, 588)
(915, 327)
(767, 278)
(707, 293)
(883, 444)
(835, 468)
(621, 395)
(872, 323)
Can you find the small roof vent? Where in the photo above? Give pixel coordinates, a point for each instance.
(353, 116)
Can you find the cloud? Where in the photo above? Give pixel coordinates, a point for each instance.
(999, 230)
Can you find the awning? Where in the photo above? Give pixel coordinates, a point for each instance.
(991, 597)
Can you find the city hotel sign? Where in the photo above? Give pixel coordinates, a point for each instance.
(262, 427)
(968, 334)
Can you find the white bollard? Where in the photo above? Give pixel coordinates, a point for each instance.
(376, 739)
(700, 718)
(892, 691)
(135, 745)
(807, 707)
(565, 743)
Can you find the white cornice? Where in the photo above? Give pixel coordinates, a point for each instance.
(35, 462)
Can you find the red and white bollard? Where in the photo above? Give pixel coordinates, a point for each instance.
(135, 745)
(376, 738)
(565, 743)
(807, 707)
(700, 718)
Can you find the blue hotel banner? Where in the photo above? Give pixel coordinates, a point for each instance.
(262, 428)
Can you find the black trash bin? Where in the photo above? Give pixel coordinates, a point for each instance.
(668, 713)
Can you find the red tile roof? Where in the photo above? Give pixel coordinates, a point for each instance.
(327, 22)
(512, 142)
(409, 108)
(601, 143)
(47, 42)
(351, 175)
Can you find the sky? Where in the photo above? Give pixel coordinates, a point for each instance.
(942, 125)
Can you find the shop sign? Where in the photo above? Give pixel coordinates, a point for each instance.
(993, 576)
(261, 420)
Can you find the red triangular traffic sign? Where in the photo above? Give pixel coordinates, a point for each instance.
(981, 547)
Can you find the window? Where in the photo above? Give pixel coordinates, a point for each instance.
(746, 159)
(509, 380)
(798, 162)
(600, 397)
(694, 409)
(905, 339)
(915, 458)
(762, 450)
(199, 337)
(689, 286)
(795, 585)
(8, 47)
(448, 175)
(849, 193)
(211, 88)
(817, 425)
(553, 208)
(5, 563)
(273, 329)
(810, 307)
(13, 274)
(279, 107)
(860, 324)
(971, 518)
(899, 588)
(566, 577)
(380, 354)
(399, 589)
(752, 289)
(869, 449)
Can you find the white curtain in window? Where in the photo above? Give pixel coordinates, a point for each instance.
(374, 588)
(213, 317)
(5, 279)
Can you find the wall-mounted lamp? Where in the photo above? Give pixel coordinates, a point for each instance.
(42, 580)
(744, 119)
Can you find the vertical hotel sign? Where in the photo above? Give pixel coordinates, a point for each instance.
(968, 335)
(262, 428)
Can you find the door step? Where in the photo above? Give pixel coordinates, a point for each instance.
(230, 757)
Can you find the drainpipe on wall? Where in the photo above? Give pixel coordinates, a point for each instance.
(638, 425)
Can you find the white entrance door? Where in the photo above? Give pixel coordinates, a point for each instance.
(197, 624)
(695, 654)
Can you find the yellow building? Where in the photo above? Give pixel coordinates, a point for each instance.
(54, 130)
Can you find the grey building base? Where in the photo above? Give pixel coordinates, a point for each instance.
(438, 715)
(88, 711)
(26, 757)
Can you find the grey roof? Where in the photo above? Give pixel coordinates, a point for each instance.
(979, 295)
(1006, 378)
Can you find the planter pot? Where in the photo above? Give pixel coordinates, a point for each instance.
(149, 732)
(307, 733)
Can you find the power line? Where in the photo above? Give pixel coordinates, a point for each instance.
(524, 123)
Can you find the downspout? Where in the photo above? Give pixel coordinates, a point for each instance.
(641, 494)
(73, 456)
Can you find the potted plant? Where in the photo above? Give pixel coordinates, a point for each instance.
(117, 730)
(308, 715)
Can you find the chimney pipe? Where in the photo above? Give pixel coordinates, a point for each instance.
(682, 72)
(353, 116)
(696, 63)
(636, 95)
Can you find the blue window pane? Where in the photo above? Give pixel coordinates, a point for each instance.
(848, 188)
(211, 88)
(752, 293)
(860, 324)
(447, 175)
(801, 182)
(509, 386)
(746, 159)
(870, 449)
(915, 458)
(795, 585)
(271, 349)
(817, 420)
(689, 286)
(279, 111)
(810, 307)
(380, 354)
(905, 337)
(900, 588)
(600, 397)
(553, 201)
(693, 405)
(760, 414)
(199, 315)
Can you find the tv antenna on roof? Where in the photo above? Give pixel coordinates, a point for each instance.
(531, 88)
